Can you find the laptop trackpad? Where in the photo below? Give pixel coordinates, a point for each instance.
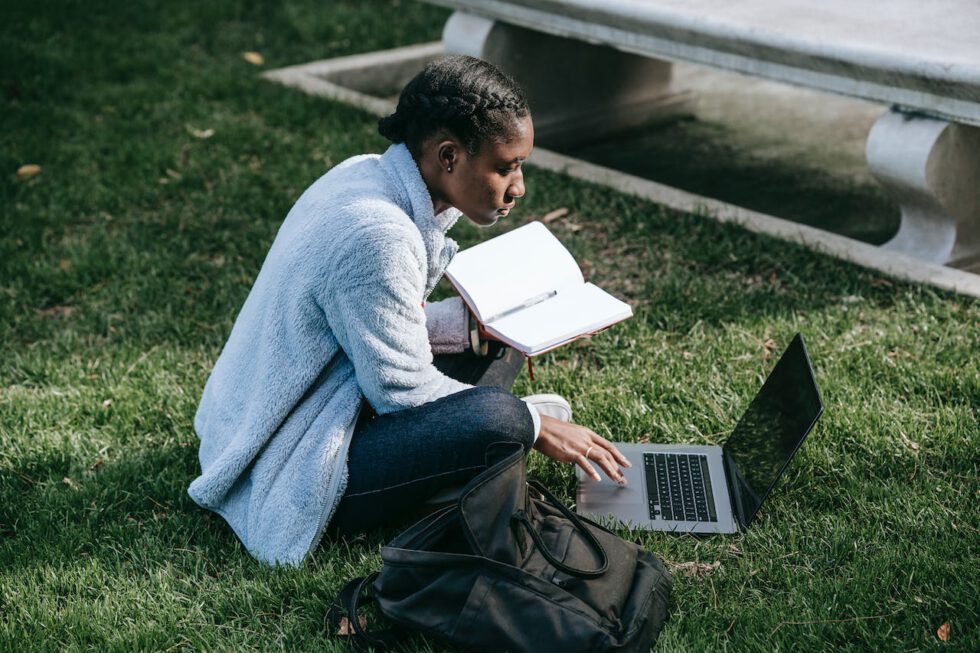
(592, 493)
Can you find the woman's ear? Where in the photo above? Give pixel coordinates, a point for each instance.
(447, 155)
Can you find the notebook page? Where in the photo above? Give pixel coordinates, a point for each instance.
(505, 272)
(571, 313)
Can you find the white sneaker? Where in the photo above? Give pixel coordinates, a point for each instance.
(551, 405)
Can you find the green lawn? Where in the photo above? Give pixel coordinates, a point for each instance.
(124, 262)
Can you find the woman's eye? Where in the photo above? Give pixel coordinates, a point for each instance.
(505, 171)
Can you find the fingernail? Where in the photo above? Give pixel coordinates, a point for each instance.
(597, 478)
(628, 464)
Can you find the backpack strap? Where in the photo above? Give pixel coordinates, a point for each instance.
(346, 604)
(522, 517)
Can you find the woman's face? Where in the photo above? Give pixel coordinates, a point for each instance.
(484, 187)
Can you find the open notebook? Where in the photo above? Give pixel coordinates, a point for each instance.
(528, 291)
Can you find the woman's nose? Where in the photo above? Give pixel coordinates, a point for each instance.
(516, 189)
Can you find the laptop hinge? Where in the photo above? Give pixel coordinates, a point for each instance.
(736, 497)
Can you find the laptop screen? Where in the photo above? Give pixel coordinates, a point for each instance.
(771, 430)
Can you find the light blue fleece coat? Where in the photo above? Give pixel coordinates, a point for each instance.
(336, 315)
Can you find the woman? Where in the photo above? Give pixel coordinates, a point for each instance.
(326, 405)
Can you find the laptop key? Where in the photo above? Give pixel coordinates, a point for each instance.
(674, 483)
(709, 496)
(678, 487)
(655, 485)
(687, 489)
(702, 511)
(697, 480)
(651, 477)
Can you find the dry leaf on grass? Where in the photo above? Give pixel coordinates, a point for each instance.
(200, 133)
(61, 310)
(768, 346)
(70, 483)
(107, 403)
(914, 446)
(345, 629)
(28, 170)
(551, 216)
(253, 58)
(696, 570)
(943, 632)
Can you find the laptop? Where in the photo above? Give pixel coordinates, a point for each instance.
(714, 489)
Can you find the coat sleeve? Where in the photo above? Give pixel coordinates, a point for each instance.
(448, 324)
(373, 302)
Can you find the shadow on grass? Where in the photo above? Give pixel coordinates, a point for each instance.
(54, 511)
(126, 511)
(105, 542)
(689, 268)
(702, 158)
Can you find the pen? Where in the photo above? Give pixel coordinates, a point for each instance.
(527, 304)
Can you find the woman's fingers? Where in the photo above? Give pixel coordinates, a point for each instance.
(607, 461)
(573, 443)
(583, 462)
(611, 467)
(611, 448)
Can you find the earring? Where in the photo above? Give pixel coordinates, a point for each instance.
(449, 168)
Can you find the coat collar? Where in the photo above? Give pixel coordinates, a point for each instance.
(412, 195)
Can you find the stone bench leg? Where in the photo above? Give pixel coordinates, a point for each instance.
(932, 167)
(577, 91)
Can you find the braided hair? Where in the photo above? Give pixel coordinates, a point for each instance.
(466, 96)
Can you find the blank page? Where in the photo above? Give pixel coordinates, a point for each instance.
(571, 313)
(507, 271)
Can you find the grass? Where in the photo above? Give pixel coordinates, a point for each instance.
(124, 262)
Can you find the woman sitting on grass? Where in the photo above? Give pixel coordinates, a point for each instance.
(326, 405)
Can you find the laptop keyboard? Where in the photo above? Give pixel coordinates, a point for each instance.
(679, 487)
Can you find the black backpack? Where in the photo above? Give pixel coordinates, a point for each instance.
(509, 568)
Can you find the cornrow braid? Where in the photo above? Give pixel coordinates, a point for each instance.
(451, 106)
(468, 97)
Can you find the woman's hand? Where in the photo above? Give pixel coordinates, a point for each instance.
(573, 443)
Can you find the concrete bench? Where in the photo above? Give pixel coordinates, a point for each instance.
(592, 67)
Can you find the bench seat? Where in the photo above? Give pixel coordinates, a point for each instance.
(595, 66)
(923, 55)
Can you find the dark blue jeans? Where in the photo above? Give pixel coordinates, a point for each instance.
(399, 460)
